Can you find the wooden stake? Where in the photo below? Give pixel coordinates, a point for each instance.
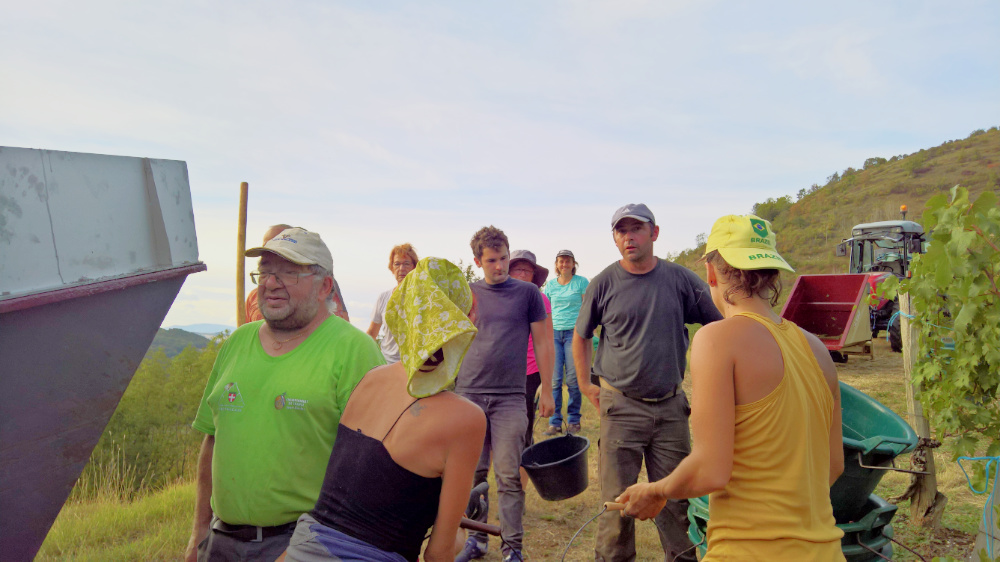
(241, 246)
(926, 503)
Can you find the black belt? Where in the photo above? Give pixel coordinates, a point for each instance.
(673, 392)
(251, 533)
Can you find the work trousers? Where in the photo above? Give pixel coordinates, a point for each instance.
(220, 547)
(633, 431)
(506, 423)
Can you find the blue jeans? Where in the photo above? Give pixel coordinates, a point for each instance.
(506, 422)
(564, 358)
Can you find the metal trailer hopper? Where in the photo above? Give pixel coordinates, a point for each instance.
(93, 251)
(835, 309)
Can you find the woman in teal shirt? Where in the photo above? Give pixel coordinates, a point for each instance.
(566, 294)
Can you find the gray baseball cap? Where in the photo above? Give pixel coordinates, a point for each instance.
(637, 211)
(566, 253)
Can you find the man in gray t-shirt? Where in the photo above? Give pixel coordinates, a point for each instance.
(642, 304)
(492, 376)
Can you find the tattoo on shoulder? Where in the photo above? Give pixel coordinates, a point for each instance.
(415, 409)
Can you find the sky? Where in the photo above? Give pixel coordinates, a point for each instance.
(377, 123)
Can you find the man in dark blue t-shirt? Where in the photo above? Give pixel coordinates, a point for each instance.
(642, 304)
(492, 376)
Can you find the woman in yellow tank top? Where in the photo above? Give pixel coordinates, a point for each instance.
(765, 415)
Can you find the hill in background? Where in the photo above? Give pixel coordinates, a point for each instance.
(207, 330)
(811, 223)
(174, 340)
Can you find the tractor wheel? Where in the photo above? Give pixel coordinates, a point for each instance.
(838, 357)
(895, 333)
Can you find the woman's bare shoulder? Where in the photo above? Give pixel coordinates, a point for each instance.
(457, 410)
(727, 330)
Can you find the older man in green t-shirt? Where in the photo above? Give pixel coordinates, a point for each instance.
(272, 404)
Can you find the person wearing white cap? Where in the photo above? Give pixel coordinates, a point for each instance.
(643, 304)
(272, 403)
(335, 302)
(766, 415)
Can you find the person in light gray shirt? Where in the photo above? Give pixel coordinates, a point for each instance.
(402, 259)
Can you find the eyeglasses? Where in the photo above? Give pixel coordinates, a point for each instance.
(399, 264)
(285, 278)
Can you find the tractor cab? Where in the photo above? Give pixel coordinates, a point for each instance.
(886, 246)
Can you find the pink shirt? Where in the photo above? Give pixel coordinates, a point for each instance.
(532, 366)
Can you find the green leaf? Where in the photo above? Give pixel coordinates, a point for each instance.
(959, 196)
(984, 203)
(965, 317)
(942, 271)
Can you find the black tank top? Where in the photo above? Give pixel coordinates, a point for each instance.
(368, 496)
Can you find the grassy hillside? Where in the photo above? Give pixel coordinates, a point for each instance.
(812, 222)
(173, 341)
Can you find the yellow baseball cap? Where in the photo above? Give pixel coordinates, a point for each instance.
(746, 242)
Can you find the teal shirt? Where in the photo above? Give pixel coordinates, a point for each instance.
(566, 300)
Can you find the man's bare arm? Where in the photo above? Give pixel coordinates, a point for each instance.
(202, 502)
(582, 352)
(373, 330)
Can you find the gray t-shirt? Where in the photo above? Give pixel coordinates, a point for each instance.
(498, 357)
(643, 340)
(390, 349)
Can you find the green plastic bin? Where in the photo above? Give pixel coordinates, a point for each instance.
(873, 436)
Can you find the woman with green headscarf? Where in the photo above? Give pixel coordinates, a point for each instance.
(407, 447)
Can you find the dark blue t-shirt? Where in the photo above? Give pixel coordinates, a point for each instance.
(498, 357)
(643, 340)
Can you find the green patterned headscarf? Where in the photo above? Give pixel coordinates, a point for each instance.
(425, 313)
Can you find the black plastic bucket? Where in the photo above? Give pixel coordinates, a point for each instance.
(558, 466)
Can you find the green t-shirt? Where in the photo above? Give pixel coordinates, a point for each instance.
(275, 419)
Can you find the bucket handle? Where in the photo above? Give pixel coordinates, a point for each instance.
(893, 467)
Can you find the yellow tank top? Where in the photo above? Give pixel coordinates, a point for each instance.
(777, 503)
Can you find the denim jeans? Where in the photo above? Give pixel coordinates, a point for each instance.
(633, 431)
(506, 422)
(564, 358)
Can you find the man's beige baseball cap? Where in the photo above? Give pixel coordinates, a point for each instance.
(297, 245)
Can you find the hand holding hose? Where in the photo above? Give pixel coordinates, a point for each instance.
(642, 501)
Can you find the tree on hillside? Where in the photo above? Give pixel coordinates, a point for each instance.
(872, 162)
(770, 209)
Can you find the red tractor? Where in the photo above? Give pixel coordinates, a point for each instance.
(886, 247)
